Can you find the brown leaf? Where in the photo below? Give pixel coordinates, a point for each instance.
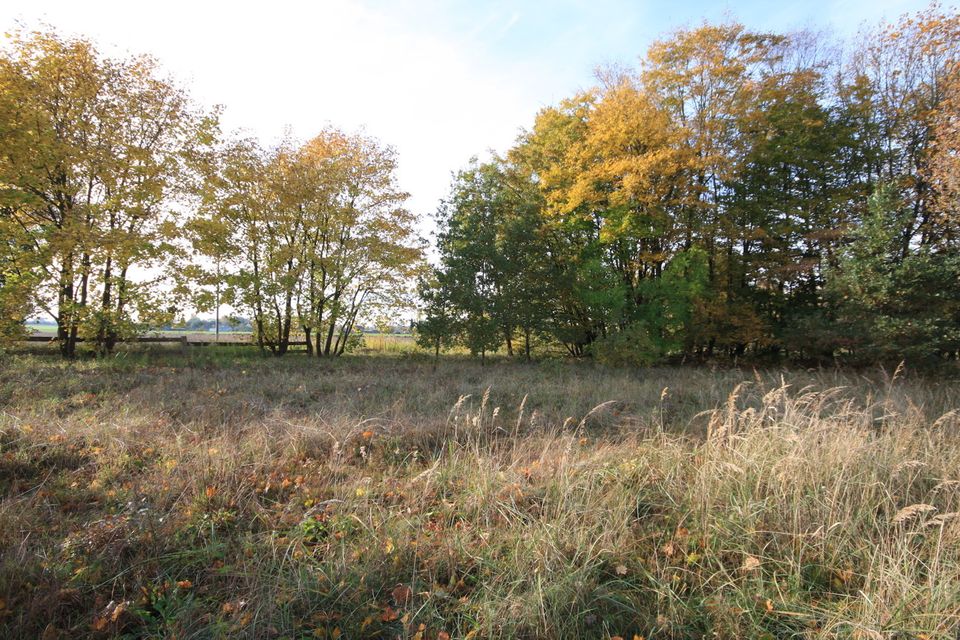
(118, 611)
(401, 594)
(389, 615)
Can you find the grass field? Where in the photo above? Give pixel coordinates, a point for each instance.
(222, 494)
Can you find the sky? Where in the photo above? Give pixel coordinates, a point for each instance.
(439, 80)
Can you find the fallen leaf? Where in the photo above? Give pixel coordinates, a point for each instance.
(389, 615)
(184, 584)
(401, 594)
(749, 564)
(118, 611)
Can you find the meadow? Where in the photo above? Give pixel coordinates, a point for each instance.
(218, 493)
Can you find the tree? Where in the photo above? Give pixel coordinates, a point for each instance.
(361, 250)
(310, 236)
(903, 73)
(581, 298)
(98, 149)
(18, 276)
(713, 201)
(944, 165)
(896, 306)
(471, 270)
(492, 278)
(436, 329)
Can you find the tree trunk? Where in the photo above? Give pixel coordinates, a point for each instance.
(332, 324)
(65, 310)
(105, 305)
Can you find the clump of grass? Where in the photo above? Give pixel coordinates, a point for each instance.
(378, 498)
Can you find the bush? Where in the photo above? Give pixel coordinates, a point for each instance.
(633, 346)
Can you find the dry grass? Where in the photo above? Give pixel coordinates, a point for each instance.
(225, 495)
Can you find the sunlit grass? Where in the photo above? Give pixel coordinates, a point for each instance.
(222, 494)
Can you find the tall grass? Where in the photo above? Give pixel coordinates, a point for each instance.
(388, 343)
(380, 498)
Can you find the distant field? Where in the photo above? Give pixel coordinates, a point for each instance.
(372, 342)
(219, 493)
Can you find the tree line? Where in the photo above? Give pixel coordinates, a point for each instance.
(121, 201)
(740, 194)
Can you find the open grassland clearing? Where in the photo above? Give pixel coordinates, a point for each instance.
(221, 494)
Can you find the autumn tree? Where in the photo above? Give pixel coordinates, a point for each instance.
(584, 298)
(99, 149)
(716, 200)
(361, 251)
(307, 237)
(944, 165)
(902, 76)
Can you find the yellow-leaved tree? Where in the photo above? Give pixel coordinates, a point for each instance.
(95, 151)
(308, 237)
